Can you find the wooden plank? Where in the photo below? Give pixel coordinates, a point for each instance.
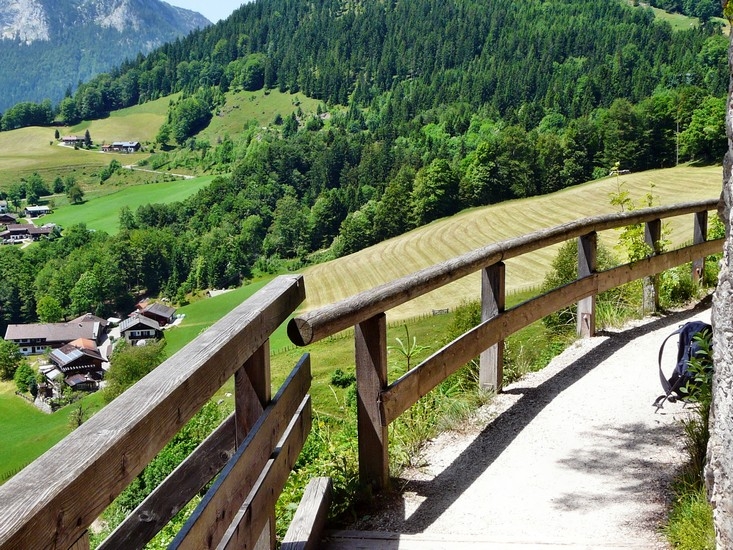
(82, 543)
(306, 528)
(404, 392)
(699, 235)
(176, 490)
(210, 520)
(656, 264)
(257, 372)
(252, 390)
(587, 264)
(67, 488)
(318, 324)
(371, 378)
(493, 302)
(253, 516)
(652, 236)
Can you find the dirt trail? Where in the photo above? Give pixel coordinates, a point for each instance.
(571, 456)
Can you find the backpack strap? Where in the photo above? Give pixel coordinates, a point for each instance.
(665, 383)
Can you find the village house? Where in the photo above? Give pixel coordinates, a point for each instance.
(73, 141)
(36, 211)
(23, 231)
(3, 206)
(78, 363)
(121, 147)
(138, 327)
(35, 338)
(8, 218)
(161, 313)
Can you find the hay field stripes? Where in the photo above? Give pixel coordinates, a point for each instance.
(444, 239)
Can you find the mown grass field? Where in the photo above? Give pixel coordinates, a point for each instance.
(102, 213)
(329, 282)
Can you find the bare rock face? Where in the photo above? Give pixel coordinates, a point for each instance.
(23, 20)
(719, 471)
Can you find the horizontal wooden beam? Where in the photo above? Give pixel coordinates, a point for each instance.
(252, 517)
(406, 390)
(176, 490)
(207, 525)
(320, 323)
(306, 527)
(67, 488)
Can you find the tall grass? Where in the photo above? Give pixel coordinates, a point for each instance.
(690, 523)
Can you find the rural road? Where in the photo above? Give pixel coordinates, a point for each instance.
(573, 456)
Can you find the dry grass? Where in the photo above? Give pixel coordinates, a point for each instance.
(447, 238)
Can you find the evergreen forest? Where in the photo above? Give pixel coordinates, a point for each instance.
(426, 107)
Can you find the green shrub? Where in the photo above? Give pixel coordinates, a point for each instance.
(341, 379)
(24, 377)
(564, 270)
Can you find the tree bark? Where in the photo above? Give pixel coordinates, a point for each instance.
(719, 470)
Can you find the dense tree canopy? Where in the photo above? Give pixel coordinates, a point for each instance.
(427, 107)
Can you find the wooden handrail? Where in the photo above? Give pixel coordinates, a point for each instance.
(326, 321)
(51, 502)
(380, 403)
(414, 384)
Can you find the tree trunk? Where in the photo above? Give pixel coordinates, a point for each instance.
(719, 471)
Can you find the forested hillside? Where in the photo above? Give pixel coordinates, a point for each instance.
(427, 107)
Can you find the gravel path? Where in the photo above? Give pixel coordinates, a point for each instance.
(572, 456)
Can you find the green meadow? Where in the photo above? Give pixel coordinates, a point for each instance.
(102, 213)
(139, 123)
(261, 106)
(26, 433)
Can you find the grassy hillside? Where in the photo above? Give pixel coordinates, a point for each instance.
(102, 213)
(29, 150)
(678, 21)
(139, 123)
(447, 238)
(262, 106)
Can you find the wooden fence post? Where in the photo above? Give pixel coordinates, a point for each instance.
(652, 235)
(371, 378)
(587, 264)
(493, 302)
(252, 393)
(700, 235)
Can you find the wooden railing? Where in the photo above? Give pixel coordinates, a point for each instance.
(380, 402)
(52, 502)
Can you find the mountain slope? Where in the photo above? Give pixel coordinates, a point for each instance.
(48, 46)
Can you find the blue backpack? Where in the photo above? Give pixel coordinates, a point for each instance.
(676, 386)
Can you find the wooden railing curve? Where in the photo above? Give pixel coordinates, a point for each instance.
(52, 502)
(328, 320)
(379, 403)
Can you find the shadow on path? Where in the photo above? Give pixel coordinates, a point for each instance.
(502, 431)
